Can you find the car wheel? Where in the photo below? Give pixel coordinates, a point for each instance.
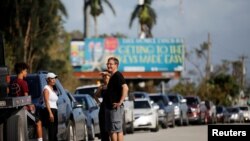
(156, 129)
(86, 136)
(181, 120)
(71, 132)
(124, 126)
(165, 124)
(173, 123)
(131, 128)
(92, 132)
(187, 121)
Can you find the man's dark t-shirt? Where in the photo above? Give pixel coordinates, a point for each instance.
(114, 91)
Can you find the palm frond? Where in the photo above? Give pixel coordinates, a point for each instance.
(62, 9)
(148, 2)
(110, 6)
(152, 14)
(134, 14)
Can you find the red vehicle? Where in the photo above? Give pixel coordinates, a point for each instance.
(197, 111)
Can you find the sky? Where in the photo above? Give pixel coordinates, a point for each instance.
(227, 21)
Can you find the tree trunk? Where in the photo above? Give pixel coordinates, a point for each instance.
(95, 20)
(19, 37)
(26, 41)
(86, 19)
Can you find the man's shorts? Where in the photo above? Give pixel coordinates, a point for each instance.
(114, 119)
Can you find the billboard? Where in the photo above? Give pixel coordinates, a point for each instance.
(77, 53)
(135, 55)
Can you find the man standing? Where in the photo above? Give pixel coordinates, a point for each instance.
(117, 91)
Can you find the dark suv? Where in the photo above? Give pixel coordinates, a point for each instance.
(71, 125)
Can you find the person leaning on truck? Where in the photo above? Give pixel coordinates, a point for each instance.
(117, 91)
(19, 87)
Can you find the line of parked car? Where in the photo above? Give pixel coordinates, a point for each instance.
(175, 109)
(78, 112)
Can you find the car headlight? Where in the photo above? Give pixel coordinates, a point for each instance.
(161, 112)
(176, 109)
(235, 115)
(195, 110)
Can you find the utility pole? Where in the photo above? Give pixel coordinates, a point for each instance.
(243, 71)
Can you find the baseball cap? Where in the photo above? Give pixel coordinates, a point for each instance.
(51, 75)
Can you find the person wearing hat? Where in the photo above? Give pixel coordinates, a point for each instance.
(50, 103)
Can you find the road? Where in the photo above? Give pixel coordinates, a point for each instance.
(184, 133)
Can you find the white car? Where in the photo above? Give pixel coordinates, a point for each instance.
(145, 116)
(246, 113)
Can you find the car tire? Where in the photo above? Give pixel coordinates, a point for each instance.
(92, 132)
(124, 126)
(71, 132)
(173, 123)
(187, 121)
(165, 124)
(180, 122)
(156, 129)
(15, 129)
(130, 130)
(86, 136)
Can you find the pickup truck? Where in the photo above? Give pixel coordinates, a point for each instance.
(13, 116)
(128, 127)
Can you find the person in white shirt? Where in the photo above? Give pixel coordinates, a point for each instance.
(50, 103)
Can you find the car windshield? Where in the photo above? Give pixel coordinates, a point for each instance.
(191, 101)
(139, 95)
(82, 100)
(244, 108)
(232, 110)
(141, 105)
(90, 91)
(173, 98)
(219, 109)
(159, 100)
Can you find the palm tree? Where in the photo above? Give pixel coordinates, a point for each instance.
(146, 15)
(96, 9)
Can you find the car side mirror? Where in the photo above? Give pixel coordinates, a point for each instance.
(183, 100)
(152, 102)
(170, 103)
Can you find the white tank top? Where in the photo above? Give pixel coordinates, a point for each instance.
(52, 98)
